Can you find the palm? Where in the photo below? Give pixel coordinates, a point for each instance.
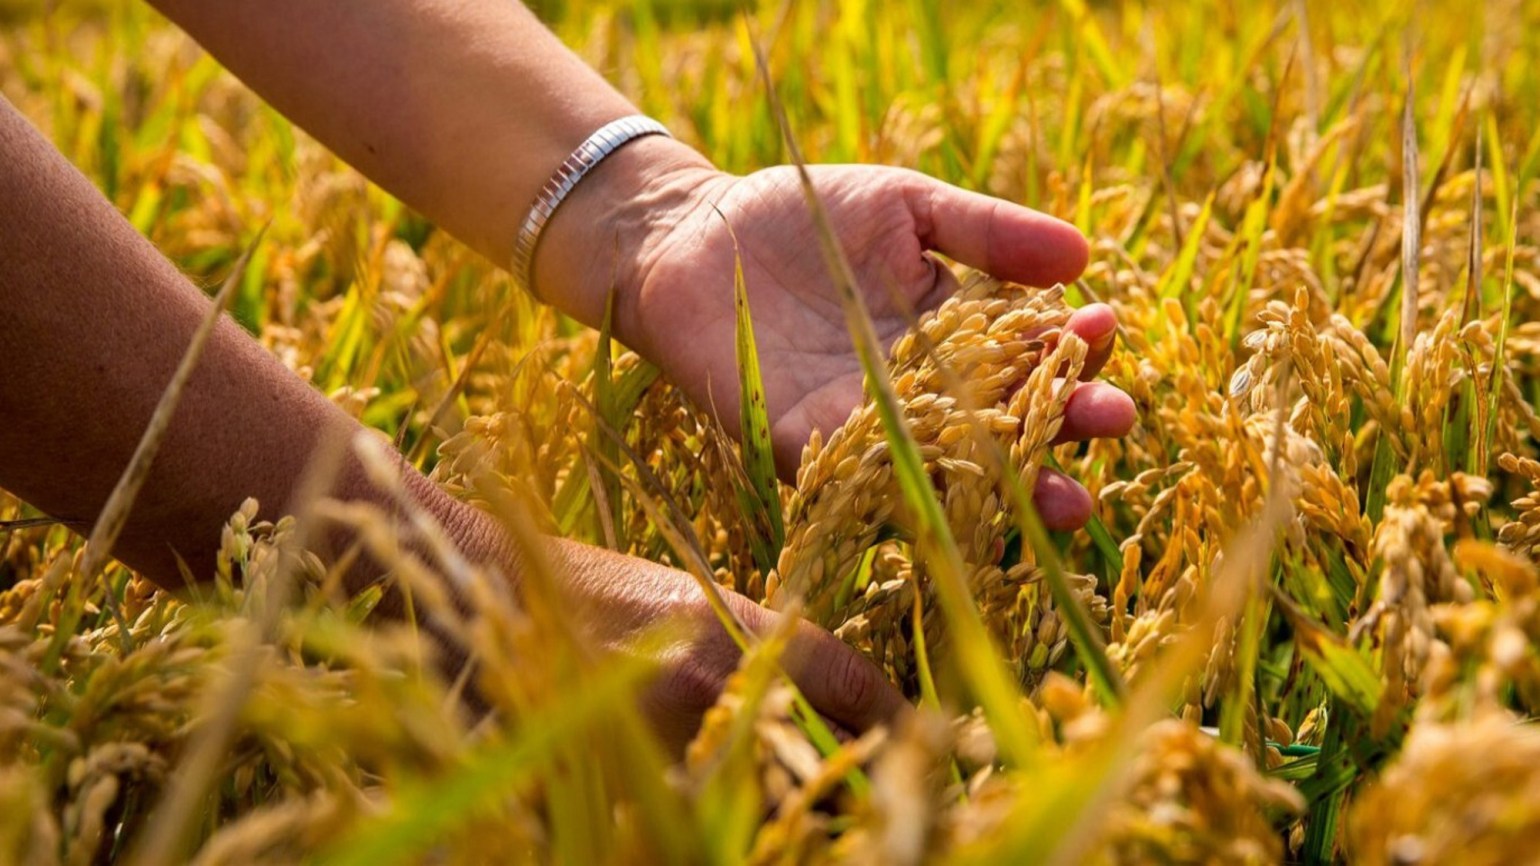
(887, 221)
(811, 373)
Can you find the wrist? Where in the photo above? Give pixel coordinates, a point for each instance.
(604, 231)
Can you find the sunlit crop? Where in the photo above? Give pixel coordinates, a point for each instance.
(1301, 626)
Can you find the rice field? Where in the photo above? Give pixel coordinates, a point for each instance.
(1301, 625)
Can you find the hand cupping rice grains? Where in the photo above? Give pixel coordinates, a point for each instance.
(1311, 564)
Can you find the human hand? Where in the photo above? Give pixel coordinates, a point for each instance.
(619, 599)
(889, 222)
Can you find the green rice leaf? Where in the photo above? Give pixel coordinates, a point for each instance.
(754, 426)
(1342, 667)
(979, 659)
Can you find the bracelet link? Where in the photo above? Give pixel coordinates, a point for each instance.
(604, 141)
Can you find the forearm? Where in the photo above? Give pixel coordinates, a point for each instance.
(462, 109)
(93, 322)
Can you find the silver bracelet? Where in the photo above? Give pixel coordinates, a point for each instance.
(608, 139)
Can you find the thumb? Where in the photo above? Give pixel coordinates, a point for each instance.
(838, 681)
(1003, 239)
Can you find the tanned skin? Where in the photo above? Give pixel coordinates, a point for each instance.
(463, 110)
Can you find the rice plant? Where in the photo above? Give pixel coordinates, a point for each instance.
(1301, 625)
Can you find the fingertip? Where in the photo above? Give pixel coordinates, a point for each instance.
(1074, 251)
(1061, 502)
(1007, 240)
(1096, 323)
(1097, 410)
(1041, 250)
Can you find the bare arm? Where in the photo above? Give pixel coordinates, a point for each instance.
(93, 321)
(462, 110)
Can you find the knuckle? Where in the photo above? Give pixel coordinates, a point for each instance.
(709, 635)
(691, 683)
(855, 683)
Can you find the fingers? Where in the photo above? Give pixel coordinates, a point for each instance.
(1097, 324)
(1006, 240)
(1096, 410)
(839, 682)
(1062, 504)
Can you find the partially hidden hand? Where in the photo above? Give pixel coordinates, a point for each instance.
(889, 223)
(668, 213)
(621, 602)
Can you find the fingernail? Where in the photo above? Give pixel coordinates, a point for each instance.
(1105, 341)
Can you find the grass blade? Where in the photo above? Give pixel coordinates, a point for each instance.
(429, 811)
(1411, 220)
(1500, 354)
(1174, 281)
(609, 412)
(575, 492)
(114, 514)
(1344, 670)
(978, 657)
(762, 500)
